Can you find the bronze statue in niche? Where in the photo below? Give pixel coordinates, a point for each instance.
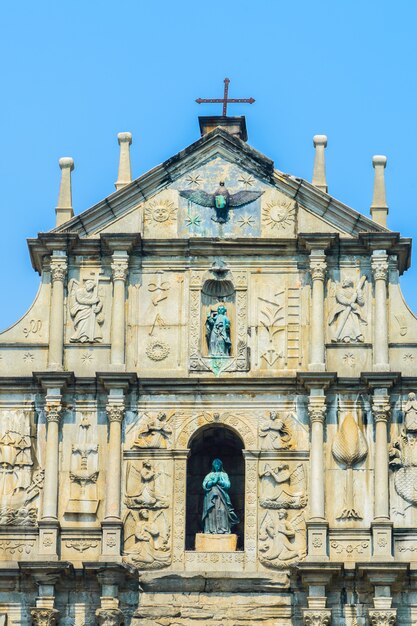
(218, 513)
(218, 332)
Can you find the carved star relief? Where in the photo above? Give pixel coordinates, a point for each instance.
(194, 180)
(246, 221)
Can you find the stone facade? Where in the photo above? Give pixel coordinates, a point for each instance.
(114, 400)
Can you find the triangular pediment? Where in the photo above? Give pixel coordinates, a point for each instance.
(166, 201)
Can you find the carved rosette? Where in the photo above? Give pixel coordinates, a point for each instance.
(318, 617)
(115, 412)
(119, 269)
(380, 267)
(53, 411)
(318, 267)
(44, 617)
(382, 617)
(110, 617)
(381, 408)
(59, 268)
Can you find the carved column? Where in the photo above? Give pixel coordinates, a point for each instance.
(109, 613)
(381, 526)
(56, 315)
(44, 617)
(109, 617)
(317, 346)
(382, 617)
(317, 526)
(317, 617)
(48, 525)
(379, 264)
(119, 269)
(112, 523)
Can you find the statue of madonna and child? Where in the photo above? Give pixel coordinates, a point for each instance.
(218, 513)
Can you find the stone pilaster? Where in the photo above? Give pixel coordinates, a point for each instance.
(317, 346)
(59, 268)
(379, 264)
(119, 268)
(381, 526)
(316, 525)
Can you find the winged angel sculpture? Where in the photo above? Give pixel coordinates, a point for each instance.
(281, 541)
(222, 201)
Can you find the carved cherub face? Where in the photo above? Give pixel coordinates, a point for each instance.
(161, 416)
(144, 514)
(273, 415)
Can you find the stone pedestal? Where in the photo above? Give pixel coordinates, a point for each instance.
(215, 543)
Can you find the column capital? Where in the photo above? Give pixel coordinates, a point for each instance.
(317, 409)
(44, 617)
(318, 266)
(109, 617)
(119, 267)
(59, 267)
(317, 617)
(115, 412)
(382, 617)
(53, 410)
(379, 264)
(381, 408)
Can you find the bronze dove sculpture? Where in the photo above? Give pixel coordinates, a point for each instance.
(222, 201)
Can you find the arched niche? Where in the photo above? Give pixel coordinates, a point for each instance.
(208, 443)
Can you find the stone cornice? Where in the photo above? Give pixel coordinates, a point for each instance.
(104, 245)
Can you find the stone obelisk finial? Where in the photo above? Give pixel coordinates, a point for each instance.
(64, 210)
(379, 207)
(125, 172)
(319, 173)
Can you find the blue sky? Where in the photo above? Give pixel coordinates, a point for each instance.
(75, 74)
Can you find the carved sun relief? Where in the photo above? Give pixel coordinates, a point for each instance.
(279, 214)
(161, 211)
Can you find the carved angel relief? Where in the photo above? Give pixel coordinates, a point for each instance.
(281, 540)
(147, 532)
(282, 534)
(346, 317)
(155, 433)
(86, 309)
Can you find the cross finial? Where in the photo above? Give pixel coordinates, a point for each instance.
(225, 100)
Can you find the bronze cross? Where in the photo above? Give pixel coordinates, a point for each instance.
(225, 100)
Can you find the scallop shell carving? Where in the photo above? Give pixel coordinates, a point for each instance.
(349, 445)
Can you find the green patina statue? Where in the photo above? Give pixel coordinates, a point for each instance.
(218, 512)
(218, 332)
